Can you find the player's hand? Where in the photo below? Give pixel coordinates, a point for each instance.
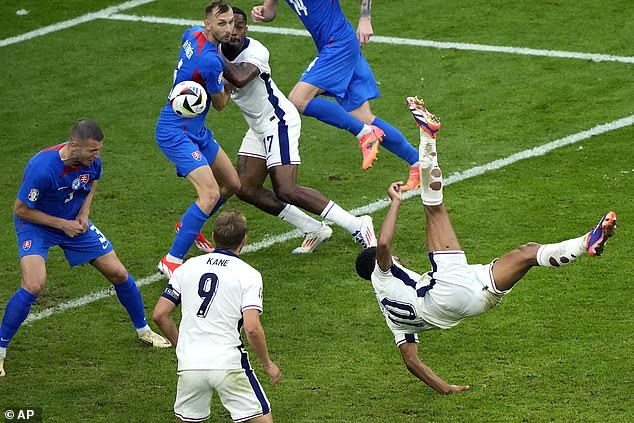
(394, 191)
(456, 388)
(364, 30)
(71, 228)
(274, 372)
(263, 14)
(82, 219)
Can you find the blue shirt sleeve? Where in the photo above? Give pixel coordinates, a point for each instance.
(211, 71)
(34, 184)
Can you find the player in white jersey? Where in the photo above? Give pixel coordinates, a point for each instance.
(453, 290)
(218, 294)
(271, 147)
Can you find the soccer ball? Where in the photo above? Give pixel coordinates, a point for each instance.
(188, 99)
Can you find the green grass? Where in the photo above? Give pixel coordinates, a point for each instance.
(559, 346)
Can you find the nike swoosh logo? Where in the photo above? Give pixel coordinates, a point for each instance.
(104, 246)
(61, 188)
(4, 339)
(369, 145)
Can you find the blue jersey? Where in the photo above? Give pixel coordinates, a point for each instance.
(54, 188)
(198, 61)
(325, 21)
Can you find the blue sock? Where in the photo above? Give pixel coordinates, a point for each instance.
(130, 297)
(192, 222)
(219, 204)
(333, 114)
(395, 142)
(17, 309)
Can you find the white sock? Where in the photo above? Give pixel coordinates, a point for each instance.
(298, 218)
(143, 330)
(366, 130)
(340, 217)
(173, 259)
(3, 352)
(555, 255)
(427, 154)
(431, 184)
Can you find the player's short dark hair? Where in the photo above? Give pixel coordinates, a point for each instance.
(229, 229)
(238, 11)
(217, 7)
(84, 130)
(366, 260)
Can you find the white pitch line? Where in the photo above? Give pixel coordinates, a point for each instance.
(72, 22)
(595, 57)
(369, 208)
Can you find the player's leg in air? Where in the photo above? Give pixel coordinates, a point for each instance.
(209, 170)
(511, 267)
(329, 74)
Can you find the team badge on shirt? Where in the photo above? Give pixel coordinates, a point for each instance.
(34, 194)
(26, 245)
(196, 155)
(81, 181)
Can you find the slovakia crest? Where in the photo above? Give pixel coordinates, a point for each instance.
(80, 182)
(34, 194)
(26, 245)
(197, 156)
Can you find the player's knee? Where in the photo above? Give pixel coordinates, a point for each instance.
(246, 193)
(117, 275)
(231, 187)
(288, 193)
(34, 286)
(208, 200)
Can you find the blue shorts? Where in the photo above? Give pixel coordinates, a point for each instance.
(341, 70)
(36, 240)
(186, 150)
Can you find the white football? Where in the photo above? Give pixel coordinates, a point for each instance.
(188, 99)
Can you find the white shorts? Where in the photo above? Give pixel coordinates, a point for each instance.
(278, 145)
(239, 391)
(460, 290)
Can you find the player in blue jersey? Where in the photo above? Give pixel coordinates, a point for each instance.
(190, 145)
(53, 208)
(341, 71)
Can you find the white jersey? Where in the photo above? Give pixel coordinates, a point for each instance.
(439, 299)
(213, 290)
(262, 104)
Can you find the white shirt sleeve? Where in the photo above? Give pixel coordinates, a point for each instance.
(252, 292)
(401, 338)
(257, 55)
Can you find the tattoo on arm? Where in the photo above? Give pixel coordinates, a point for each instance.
(366, 8)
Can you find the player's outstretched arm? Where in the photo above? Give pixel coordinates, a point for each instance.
(257, 340)
(383, 245)
(84, 212)
(265, 13)
(161, 316)
(240, 74)
(70, 227)
(409, 352)
(364, 29)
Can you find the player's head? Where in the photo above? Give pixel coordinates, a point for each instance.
(239, 28)
(85, 142)
(230, 230)
(366, 260)
(218, 21)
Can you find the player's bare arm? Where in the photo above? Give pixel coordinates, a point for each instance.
(364, 30)
(240, 74)
(265, 13)
(161, 316)
(383, 249)
(409, 352)
(221, 99)
(257, 340)
(84, 211)
(70, 227)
